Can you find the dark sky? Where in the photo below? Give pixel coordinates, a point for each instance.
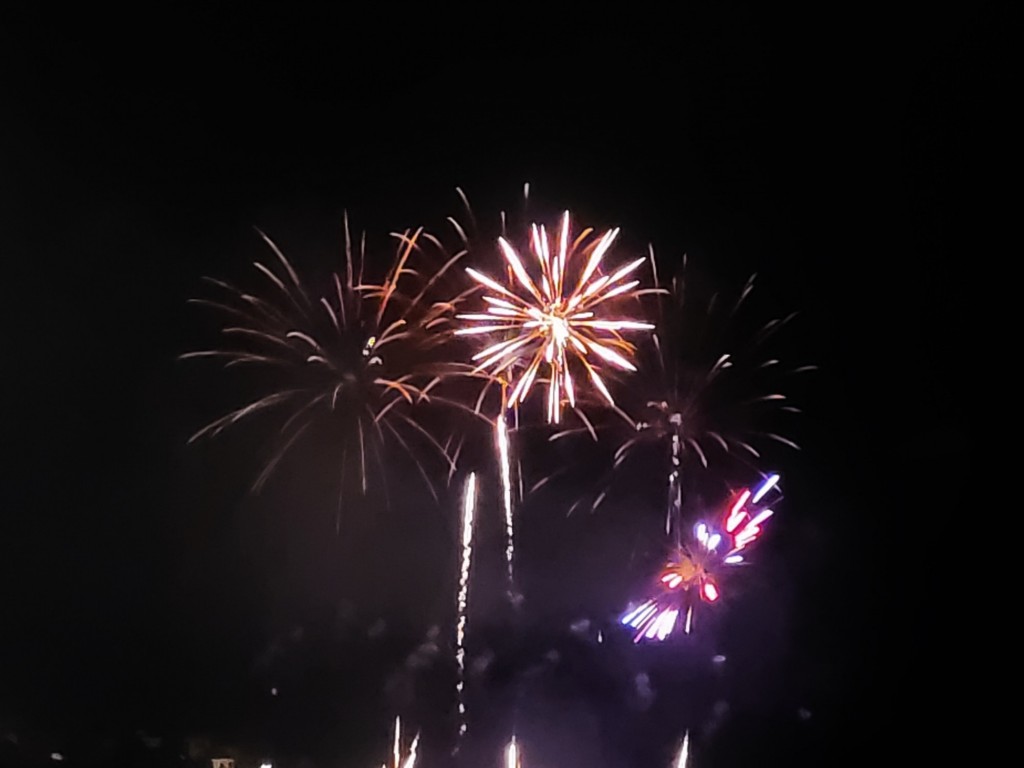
(838, 153)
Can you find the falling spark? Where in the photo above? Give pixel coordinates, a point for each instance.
(506, 487)
(547, 323)
(468, 509)
(696, 567)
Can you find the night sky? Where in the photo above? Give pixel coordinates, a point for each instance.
(838, 154)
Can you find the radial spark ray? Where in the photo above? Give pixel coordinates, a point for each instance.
(468, 510)
(697, 567)
(550, 324)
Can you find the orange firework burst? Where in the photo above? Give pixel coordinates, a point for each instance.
(556, 319)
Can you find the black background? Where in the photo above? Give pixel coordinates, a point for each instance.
(843, 154)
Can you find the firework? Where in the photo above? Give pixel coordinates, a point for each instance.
(551, 324)
(694, 572)
(718, 383)
(357, 361)
(715, 392)
(544, 323)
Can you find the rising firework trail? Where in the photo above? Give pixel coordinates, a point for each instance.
(396, 749)
(410, 760)
(358, 362)
(506, 495)
(513, 759)
(696, 568)
(560, 318)
(468, 511)
(683, 758)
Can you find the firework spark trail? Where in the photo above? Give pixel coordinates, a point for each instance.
(410, 761)
(550, 322)
(697, 566)
(506, 487)
(396, 749)
(683, 760)
(512, 756)
(468, 510)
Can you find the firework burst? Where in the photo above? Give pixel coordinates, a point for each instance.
(557, 319)
(716, 391)
(696, 568)
(358, 360)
